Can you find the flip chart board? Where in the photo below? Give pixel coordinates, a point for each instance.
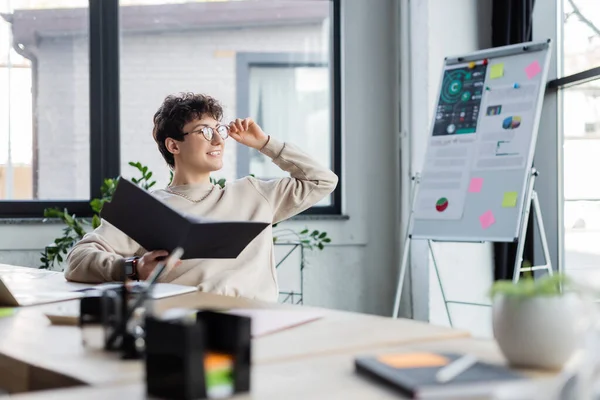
(480, 151)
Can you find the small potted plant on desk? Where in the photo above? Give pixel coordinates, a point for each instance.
(538, 323)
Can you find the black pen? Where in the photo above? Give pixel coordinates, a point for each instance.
(160, 267)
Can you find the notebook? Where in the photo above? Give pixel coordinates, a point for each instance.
(157, 226)
(414, 374)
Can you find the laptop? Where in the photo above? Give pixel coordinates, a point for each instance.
(24, 298)
(159, 291)
(25, 293)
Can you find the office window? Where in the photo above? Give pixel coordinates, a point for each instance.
(580, 89)
(79, 98)
(581, 35)
(581, 147)
(197, 46)
(288, 95)
(44, 100)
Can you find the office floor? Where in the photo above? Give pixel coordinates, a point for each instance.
(582, 263)
(582, 256)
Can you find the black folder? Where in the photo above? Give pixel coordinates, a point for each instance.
(155, 225)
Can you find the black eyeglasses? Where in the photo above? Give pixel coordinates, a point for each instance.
(209, 133)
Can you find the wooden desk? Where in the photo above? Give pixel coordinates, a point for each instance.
(331, 377)
(39, 355)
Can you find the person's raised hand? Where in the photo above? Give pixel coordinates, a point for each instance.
(247, 132)
(148, 262)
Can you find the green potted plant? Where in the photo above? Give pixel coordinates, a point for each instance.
(538, 322)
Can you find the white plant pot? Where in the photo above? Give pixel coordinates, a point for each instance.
(538, 332)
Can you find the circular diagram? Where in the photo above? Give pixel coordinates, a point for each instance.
(452, 87)
(441, 204)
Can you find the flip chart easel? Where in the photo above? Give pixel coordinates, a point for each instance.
(477, 181)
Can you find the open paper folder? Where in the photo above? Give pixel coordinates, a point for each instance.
(155, 225)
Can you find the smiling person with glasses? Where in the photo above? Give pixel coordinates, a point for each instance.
(191, 138)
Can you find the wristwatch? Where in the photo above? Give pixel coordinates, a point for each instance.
(131, 268)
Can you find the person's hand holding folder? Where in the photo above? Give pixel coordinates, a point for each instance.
(148, 262)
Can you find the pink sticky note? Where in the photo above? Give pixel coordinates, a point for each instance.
(475, 185)
(487, 219)
(533, 69)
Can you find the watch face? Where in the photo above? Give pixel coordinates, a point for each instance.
(129, 269)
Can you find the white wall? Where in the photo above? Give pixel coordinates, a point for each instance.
(547, 16)
(358, 271)
(438, 29)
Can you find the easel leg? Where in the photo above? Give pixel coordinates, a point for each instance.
(437, 273)
(405, 250)
(403, 267)
(534, 201)
(524, 222)
(520, 248)
(540, 222)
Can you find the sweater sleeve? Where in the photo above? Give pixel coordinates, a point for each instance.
(99, 255)
(307, 184)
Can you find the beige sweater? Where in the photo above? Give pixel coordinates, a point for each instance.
(98, 256)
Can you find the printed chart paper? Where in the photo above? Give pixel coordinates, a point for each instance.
(445, 179)
(504, 132)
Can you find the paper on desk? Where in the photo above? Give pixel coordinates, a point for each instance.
(265, 321)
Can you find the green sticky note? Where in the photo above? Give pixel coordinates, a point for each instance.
(6, 312)
(497, 71)
(510, 199)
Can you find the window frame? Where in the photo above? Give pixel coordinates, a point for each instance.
(548, 23)
(247, 60)
(104, 58)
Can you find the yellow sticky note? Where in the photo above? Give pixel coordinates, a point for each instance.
(6, 312)
(497, 71)
(413, 360)
(510, 199)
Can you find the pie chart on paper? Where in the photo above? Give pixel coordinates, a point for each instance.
(441, 204)
(511, 122)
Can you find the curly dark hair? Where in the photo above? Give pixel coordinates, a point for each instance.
(176, 111)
